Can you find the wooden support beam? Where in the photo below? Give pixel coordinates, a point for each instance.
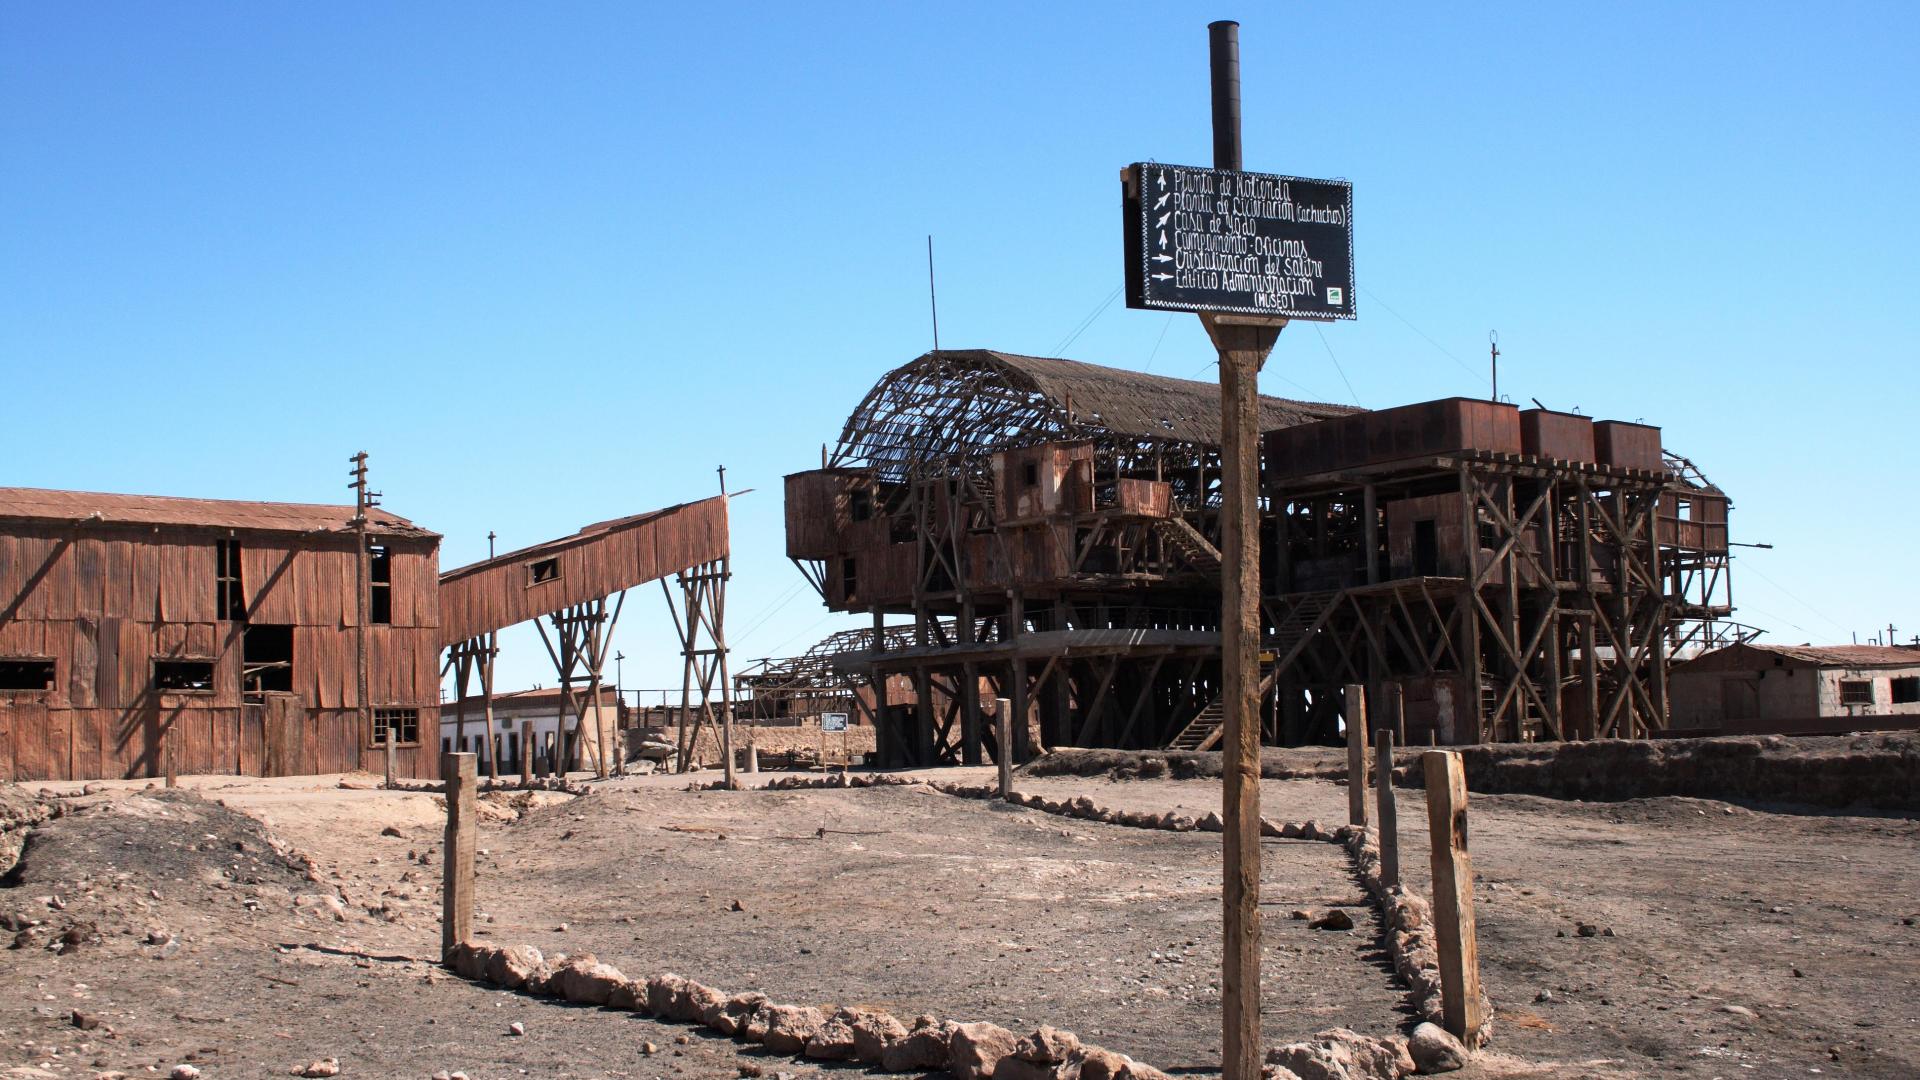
(456, 916)
(1461, 1002)
(526, 753)
(1356, 755)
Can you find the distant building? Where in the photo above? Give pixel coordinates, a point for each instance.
(141, 635)
(1797, 689)
(542, 707)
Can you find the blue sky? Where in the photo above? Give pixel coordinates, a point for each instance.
(551, 264)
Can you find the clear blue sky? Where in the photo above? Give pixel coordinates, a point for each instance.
(554, 263)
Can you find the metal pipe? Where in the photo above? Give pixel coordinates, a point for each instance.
(1223, 51)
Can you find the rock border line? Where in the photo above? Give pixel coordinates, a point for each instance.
(1406, 915)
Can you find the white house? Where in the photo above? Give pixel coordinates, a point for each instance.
(1796, 689)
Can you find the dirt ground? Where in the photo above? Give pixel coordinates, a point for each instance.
(920, 902)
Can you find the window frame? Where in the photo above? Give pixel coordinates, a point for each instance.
(53, 673)
(380, 717)
(153, 674)
(1855, 686)
(534, 567)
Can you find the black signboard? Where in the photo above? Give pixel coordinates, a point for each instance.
(1250, 243)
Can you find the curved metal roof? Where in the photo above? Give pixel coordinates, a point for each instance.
(959, 403)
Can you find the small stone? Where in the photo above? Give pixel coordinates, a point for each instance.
(1435, 1050)
(735, 906)
(682, 1040)
(516, 1028)
(390, 831)
(184, 1072)
(649, 1049)
(84, 1021)
(1301, 914)
(1543, 997)
(1738, 1010)
(1586, 929)
(974, 1050)
(321, 1068)
(1337, 919)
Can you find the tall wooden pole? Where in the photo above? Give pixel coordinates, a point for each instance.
(362, 500)
(1243, 344)
(1003, 719)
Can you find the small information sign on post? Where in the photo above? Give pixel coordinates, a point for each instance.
(832, 721)
(1240, 242)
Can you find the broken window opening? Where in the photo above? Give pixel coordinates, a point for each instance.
(404, 723)
(1426, 548)
(1906, 691)
(26, 673)
(379, 584)
(230, 599)
(266, 660)
(1030, 474)
(849, 579)
(183, 676)
(542, 571)
(862, 505)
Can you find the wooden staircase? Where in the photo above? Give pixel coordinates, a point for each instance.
(1188, 542)
(1303, 618)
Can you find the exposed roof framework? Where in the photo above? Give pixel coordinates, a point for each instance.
(955, 404)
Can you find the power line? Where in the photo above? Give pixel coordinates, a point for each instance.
(1336, 365)
(1168, 325)
(1784, 592)
(1480, 376)
(1098, 310)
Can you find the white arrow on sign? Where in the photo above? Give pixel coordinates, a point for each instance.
(1163, 200)
(1163, 277)
(1163, 238)
(1163, 219)
(1163, 181)
(1163, 258)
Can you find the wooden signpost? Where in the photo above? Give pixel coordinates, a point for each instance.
(1247, 252)
(1356, 755)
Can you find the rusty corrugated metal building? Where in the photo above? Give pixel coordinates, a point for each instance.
(1053, 527)
(141, 634)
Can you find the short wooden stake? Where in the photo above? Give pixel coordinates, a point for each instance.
(1357, 755)
(1389, 823)
(1453, 892)
(1003, 721)
(456, 916)
(526, 753)
(390, 757)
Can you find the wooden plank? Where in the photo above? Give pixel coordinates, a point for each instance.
(456, 919)
(1356, 755)
(90, 738)
(9, 718)
(225, 744)
(1461, 1001)
(253, 740)
(32, 758)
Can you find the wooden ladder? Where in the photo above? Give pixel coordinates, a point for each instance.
(1189, 543)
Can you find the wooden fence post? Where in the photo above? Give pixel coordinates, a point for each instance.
(526, 753)
(1389, 823)
(1357, 755)
(1453, 892)
(1397, 712)
(1003, 721)
(390, 757)
(456, 915)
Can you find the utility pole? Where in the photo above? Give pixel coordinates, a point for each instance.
(1493, 344)
(1243, 343)
(364, 500)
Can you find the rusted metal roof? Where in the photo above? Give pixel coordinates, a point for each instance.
(966, 402)
(1138, 403)
(1854, 656)
(71, 507)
